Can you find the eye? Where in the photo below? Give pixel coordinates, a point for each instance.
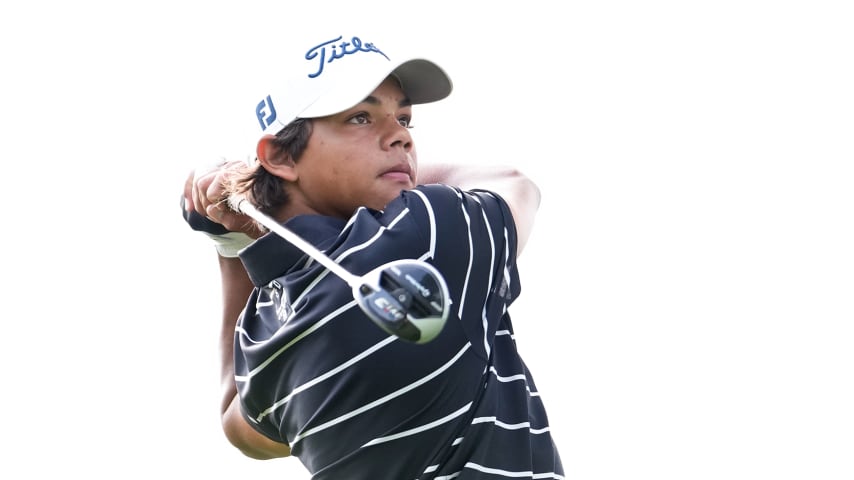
(405, 121)
(360, 118)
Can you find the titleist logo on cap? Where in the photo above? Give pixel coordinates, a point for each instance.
(329, 51)
(318, 57)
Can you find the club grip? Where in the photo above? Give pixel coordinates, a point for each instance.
(235, 202)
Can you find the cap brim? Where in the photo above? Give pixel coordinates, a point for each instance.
(423, 81)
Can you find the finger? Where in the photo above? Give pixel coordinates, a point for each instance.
(215, 188)
(189, 204)
(223, 215)
(215, 213)
(208, 188)
(201, 190)
(198, 202)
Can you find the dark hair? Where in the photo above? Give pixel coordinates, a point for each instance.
(265, 190)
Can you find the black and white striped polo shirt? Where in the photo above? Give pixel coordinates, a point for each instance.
(356, 403)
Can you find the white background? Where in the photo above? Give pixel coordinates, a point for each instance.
(687, 292)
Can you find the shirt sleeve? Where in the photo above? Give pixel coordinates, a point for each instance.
(473, 240)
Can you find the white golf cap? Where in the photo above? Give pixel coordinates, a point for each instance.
(337, 73)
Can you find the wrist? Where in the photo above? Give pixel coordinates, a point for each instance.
(230, 244)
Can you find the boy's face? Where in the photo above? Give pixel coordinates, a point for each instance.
(363, 156)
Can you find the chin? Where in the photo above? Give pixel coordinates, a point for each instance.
(382, 202)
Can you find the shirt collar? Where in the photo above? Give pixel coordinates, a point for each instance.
(272, 256)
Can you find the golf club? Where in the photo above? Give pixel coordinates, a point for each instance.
(407, 298)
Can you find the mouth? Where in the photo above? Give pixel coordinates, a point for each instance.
(399, 173)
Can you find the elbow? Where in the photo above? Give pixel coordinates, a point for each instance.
(247, 439)
(532, 190)
(237, 438)
(523, 187)
(523, 199)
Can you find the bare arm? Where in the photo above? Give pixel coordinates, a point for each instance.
(202, 192)
(236, 288)
(521, 194)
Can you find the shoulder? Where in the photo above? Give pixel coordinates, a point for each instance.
(451, 216)
(441, 197)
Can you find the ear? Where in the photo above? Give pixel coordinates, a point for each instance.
(274, 159)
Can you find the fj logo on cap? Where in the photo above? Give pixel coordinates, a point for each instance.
(266, 112)
(335, 51)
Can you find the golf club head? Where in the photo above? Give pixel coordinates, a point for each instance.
(406, 298)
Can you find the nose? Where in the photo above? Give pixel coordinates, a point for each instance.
(396, 135)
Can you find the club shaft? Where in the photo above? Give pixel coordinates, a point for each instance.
(244, 206)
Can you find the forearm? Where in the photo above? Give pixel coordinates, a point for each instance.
(236, 288)
(469, 176)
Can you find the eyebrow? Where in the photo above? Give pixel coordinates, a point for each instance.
(404, 102)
